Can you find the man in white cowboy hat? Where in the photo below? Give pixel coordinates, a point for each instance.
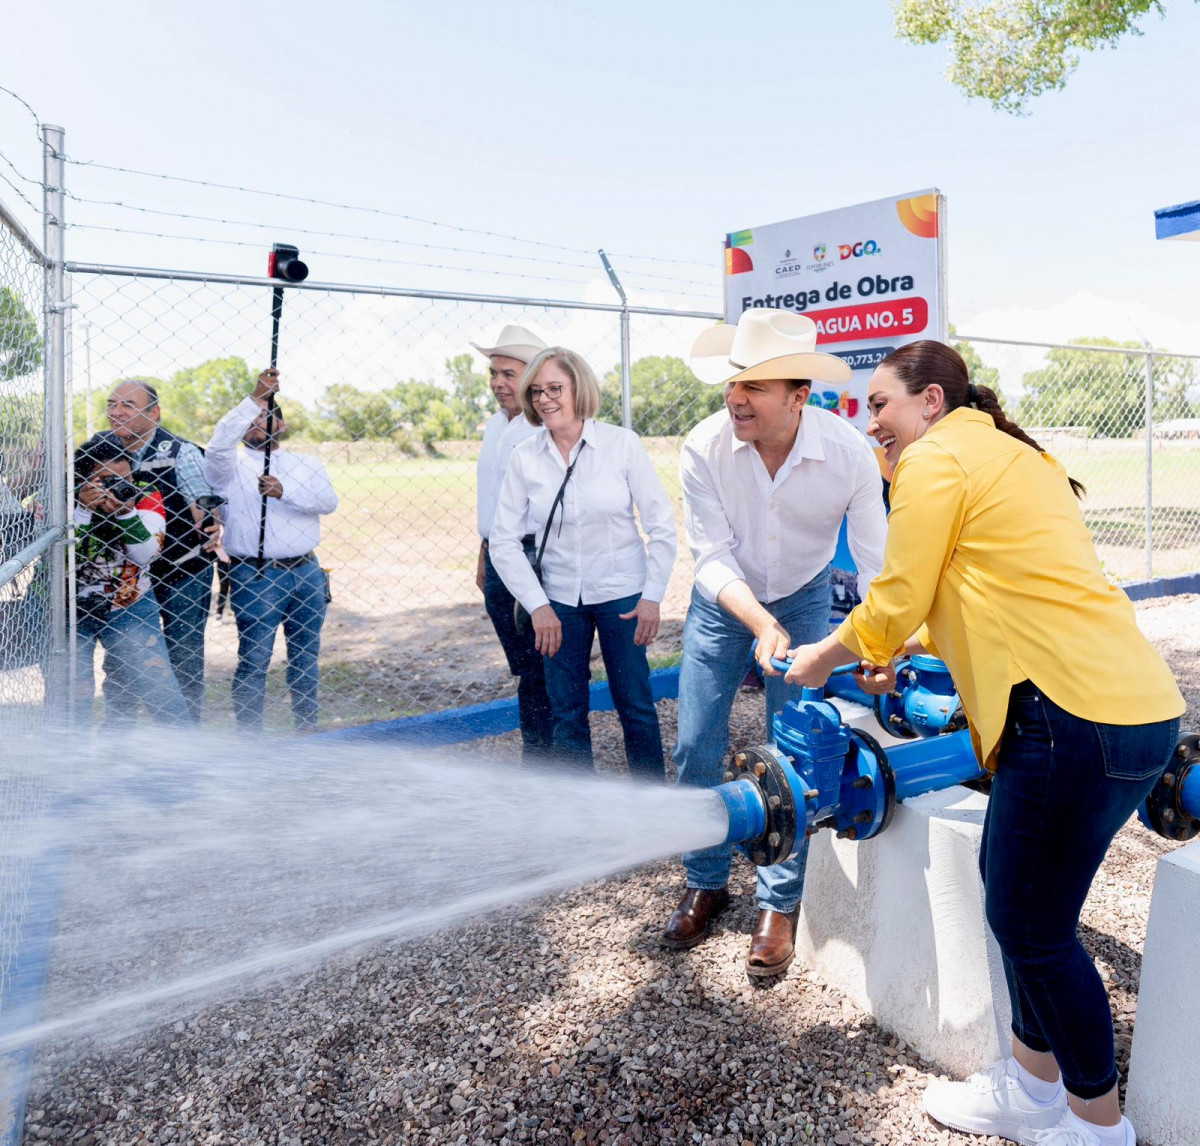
(507, 359)
(766, 482)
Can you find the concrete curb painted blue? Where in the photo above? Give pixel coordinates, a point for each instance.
(1162, 587)
(455, 725)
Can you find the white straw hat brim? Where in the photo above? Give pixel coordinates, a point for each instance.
(520, 353)
(710, 362)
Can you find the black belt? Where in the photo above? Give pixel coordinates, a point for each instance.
(276, 562)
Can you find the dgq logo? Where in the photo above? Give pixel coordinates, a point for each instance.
(857, 250)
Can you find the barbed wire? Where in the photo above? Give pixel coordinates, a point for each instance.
(384, 212)
(324, 203)
(23, 196)
(710, 265)
(19, 173)
(141, 209)
(36, 118)
(355, 258)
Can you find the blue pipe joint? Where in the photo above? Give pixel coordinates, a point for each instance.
(747, 814)
(773, 781)
(847, 783)
(1173, 807)
(924, 701)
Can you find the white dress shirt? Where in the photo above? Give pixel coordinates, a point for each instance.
(598, 555)
(778, 534)
(501, 436)
(293, 520)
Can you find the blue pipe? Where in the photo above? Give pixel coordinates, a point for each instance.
(1189, 793)
(818, 772)
(747, 813)
(936, 762)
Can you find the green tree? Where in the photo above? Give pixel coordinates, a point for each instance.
(667, 399)
(355, 415)
(194, 399)
(20, 342)
(471, 392)
(1011, 51)
(1106, 393)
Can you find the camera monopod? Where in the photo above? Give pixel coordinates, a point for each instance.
(284, 263)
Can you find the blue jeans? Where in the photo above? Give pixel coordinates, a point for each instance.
(292, 597)
(716, 647)
(184, 606)
(136, 657)
(524, 662)
(1063, 788)
(568, 673)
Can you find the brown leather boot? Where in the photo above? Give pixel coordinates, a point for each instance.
(692, 919)
(773, 944)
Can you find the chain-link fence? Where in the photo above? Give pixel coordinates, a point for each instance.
(1090, 407)
(383, 388)
(29, 593)
(385, 391)
(24, 597)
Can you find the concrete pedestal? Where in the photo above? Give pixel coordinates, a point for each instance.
(897, 924)
(1164, 1067)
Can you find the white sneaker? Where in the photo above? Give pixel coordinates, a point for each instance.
(994, 1102)
(1073, 1131)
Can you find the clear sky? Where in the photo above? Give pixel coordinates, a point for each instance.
(645, 127)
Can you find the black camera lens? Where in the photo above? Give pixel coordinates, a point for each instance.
(120, 488)
(285, 264)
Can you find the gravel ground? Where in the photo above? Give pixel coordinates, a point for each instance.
(563, 1022)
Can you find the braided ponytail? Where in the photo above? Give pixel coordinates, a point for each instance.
(922, 363)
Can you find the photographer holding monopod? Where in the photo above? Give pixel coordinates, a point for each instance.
(272, 527)
(119, 526)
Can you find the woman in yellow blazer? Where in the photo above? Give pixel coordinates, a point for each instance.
(990, 567)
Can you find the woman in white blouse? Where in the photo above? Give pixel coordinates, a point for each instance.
(598, 574)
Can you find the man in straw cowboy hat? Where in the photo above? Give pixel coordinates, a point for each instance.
(766, 482)
(515, 347)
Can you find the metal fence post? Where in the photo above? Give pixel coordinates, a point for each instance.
(55, 417)
(626, 378)
(1149, 465)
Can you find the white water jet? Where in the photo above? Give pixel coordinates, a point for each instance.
(178, 872)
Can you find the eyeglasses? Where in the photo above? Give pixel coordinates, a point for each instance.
(553, 391)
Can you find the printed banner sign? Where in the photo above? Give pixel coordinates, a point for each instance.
(871, 277)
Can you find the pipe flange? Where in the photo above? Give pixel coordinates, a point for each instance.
(885, 771)
(889, 705)
(1164, 806)
(764, 768)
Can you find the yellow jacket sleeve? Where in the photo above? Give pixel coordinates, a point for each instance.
(928, 504)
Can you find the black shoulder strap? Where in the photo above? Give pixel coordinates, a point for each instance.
(558, 498)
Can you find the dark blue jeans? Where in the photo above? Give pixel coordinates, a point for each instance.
(716, 648)
(295, 599)
(568, 673)
(184, 605)
(524, 662)
(1063, 788)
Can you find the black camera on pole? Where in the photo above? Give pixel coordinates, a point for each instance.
(284, 263)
